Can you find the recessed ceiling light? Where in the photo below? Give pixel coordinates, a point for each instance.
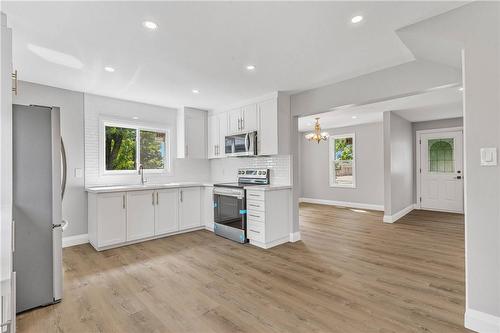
(461, 89)
(109, 69)
(250, 67)
(135, 117)
(195, 91)
(150, 25)
(354, 117)
(357, 19)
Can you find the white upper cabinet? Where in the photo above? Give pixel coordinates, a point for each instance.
(269, 116)
(244, 119)
(140, 214)
(249, 118)
(166, 211)
(189, 208)
(191, 133)
(217, 130)
(267, 137)
(234, 121)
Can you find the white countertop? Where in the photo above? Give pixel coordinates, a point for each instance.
(267, 187)
(139, 187)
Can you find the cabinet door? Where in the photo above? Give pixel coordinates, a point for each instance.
(234, 121)
(223, 120)
(111, 218)
(249, 116)
(267, 138)
(213, 136)
(189, 208)
(195, 123)
(140, 214)
(166, 213)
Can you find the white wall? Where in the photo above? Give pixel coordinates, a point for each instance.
(369, 164)
(74, 205)
(398, 163)
(100, 107)
(224, 170)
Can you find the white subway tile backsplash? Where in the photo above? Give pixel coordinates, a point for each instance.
(225, 169)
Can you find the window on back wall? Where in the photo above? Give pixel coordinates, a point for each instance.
(342, 160)
(126, 147)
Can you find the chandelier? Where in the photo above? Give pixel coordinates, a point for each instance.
(317, 135)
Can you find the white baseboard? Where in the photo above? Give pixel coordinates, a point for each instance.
(75, 240)
(394, 217)
(481, 322)
(295, 236)
(343, 204)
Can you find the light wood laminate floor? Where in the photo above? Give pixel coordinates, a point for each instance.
(350, 273)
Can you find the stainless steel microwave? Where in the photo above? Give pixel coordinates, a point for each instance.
(244, 144)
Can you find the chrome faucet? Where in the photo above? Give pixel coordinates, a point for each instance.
(141, 172)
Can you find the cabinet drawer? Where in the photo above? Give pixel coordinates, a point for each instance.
(255, 215)
(256, 231)
(256, 205)
(255, 195)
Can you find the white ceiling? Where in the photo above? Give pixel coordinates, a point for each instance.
(437, 104)
(206, 46)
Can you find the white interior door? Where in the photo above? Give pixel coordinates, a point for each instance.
(441, 171)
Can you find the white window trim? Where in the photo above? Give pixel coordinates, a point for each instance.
(138, 126)
(331, 141)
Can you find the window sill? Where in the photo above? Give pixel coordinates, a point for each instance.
(343, 186)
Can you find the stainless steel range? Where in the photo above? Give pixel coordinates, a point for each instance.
(230, 207)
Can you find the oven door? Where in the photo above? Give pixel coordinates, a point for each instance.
(230, 213)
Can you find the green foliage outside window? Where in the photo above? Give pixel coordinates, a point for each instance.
(152, 150)
(343, 149)
(122, 147)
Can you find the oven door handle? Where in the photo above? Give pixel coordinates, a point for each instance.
(234, 195)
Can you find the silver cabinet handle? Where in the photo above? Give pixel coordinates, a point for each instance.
(253, 195)
(254, 215)
(123, 200)
(257, 232)
(181, 196)
(242, 123)
(157, 200)
(153, 198)
(253, 205)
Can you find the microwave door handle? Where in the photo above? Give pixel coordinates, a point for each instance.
(247, 142)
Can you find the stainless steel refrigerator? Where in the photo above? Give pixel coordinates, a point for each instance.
(37, 201)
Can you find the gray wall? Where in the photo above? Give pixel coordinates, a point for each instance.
(427, 125)
(369, 164)
(74, 207)
(398, 163)
(475, 30)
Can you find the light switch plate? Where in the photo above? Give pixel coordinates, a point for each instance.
(78, 172)
(488, 156)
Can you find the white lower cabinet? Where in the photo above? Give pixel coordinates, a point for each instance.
(189, 207)
(268, 222)
(140, 214)
(120, 218)
(167, 211)
(107, 219)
